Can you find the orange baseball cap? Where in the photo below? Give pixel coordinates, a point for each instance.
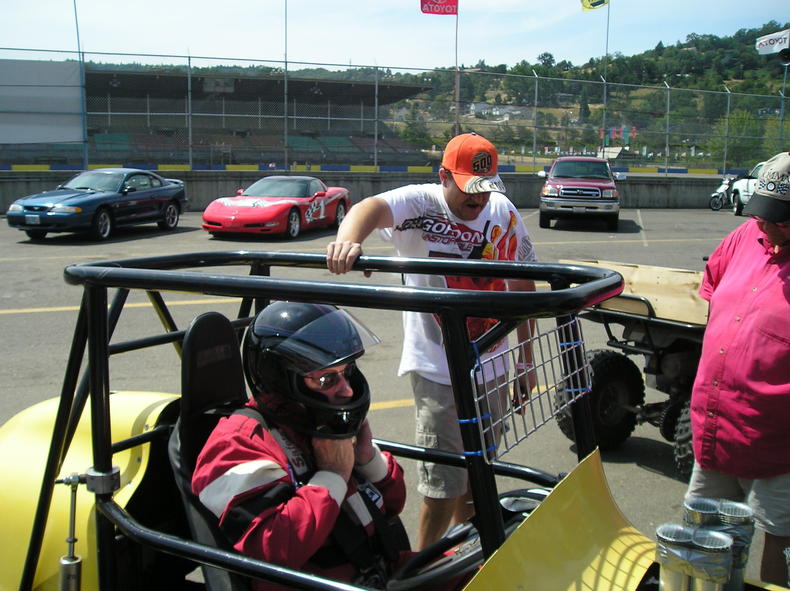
(473, 161)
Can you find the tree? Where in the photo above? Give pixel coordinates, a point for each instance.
(546, 59)
(744, 140)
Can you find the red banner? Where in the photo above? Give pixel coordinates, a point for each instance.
(439, 6)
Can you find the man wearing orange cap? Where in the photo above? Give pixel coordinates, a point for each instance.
(465, 216)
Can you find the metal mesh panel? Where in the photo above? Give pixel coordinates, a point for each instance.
(530, 118)
(506, 415)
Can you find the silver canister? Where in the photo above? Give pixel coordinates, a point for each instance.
(673, 551)
(737, 520)
(701, 511)
(787, 559)
(711, 561)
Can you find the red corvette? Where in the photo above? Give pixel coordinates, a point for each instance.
(278, 205)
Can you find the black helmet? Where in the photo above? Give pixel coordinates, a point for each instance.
(290, 339)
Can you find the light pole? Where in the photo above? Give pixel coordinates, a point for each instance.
(457, 92)
(83, 104)
(285, 89)
(782, 109)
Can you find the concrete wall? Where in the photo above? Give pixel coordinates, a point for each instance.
(640, 191)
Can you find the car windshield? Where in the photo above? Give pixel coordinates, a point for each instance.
(581, 170)
(279, 187)
(97, 181)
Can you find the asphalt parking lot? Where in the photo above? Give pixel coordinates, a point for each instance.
(38, 312)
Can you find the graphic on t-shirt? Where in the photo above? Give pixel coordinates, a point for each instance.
(493, 243)
(439, 229)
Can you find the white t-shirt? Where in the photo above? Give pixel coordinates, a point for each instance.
(424, 226)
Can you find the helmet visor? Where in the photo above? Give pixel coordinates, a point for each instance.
(330, 339)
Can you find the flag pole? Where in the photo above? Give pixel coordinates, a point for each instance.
(457, 82)
(605, 64)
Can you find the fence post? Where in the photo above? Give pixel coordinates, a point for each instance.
(726, 130)
(376, 118)
(666, 133)
(535, 123)
(603, 118)
(189, 108)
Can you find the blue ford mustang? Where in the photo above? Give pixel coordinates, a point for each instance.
(97, 201)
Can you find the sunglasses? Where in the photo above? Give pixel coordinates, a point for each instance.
(330, 380)
(764, 221)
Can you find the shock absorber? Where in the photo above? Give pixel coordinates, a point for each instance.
(71, 564)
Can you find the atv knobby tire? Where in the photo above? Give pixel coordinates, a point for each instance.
(669, 419)
(616, 384)
(683, 451)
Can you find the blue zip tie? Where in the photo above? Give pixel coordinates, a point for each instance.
(480, 453)
(572, 344)
(583, 390)
(474, 420)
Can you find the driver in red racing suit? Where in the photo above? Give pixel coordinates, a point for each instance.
(294, 477)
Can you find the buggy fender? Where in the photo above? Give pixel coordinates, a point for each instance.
(24, 447)
(576, 539)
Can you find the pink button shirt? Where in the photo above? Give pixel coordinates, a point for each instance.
(740, 406)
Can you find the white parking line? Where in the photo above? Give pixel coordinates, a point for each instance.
(642, 227)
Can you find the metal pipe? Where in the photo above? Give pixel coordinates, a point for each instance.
(208, 555)
(482, 483)
(99, 379)
(54, 458)
(71, 564)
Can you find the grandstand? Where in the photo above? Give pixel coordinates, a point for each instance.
(140, 118)
(146, 118)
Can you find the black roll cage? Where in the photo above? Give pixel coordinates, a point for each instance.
(572, 288)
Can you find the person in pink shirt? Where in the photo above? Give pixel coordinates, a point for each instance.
(740, 404)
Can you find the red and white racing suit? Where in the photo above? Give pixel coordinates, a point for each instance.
(273, 504)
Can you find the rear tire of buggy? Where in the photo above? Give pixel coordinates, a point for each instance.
(616, 384)
(683, 450)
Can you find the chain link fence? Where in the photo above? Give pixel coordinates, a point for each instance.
(194, 116)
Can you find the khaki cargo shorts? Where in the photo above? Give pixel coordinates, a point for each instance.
(437, 427)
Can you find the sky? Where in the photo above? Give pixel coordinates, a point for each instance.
(386, 33)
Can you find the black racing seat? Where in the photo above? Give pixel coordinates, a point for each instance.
(212, 386)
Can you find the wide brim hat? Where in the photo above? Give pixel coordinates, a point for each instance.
(771, 198)
(473, 162)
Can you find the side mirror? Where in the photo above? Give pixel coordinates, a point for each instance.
(319, 194)
(239, 191)
(128, 189)
(541, 174)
